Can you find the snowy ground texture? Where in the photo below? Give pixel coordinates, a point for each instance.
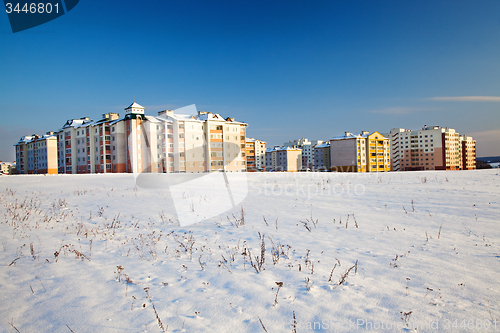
(322, 252)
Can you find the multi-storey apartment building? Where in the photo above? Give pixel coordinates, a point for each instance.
(468, 152)
(307, 148)
(136, 143)
(360, 153)
(36, 154)
(284, 159)
(322, 157)
(22, 154)
(432, 148)
(202, 143)
(256, 155)
(68, 138)
(8, 168)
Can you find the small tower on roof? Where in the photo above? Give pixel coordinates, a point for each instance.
(135, 108)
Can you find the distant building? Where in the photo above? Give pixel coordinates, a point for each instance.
(307, 148)
(432, 148)
(468, 152)
(287, 159)
(360, 153)
(7, 168)
(37, 154)
(255, 155)
(322, 157)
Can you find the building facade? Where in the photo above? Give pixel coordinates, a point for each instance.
(287, 159)
(255, 155)
(468, 152)
(8, 168)
(37, 154)
(307, 148)
(432, 148)
(322, 157)
(360, 153)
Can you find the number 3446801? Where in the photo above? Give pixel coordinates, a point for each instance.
(32, 8)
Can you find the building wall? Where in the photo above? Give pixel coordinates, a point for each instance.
(255, 155)
(292, 160)
(377, 153)
(468, 153)
(343, 154)
(322, 158)
(432, 148)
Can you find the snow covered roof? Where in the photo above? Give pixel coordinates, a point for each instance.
(323, 145)
(30, 138)
(135, 105)
(153, 119)
(25, 139)
(75, 123)
(281, 148)
(210, 116)
(347, 135)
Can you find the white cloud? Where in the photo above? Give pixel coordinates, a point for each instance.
(467, 98)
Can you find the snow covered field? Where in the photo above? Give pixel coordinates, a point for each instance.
(321, 252)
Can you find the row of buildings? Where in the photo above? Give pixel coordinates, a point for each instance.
(168, 143)
(191, 141)
(431, 148)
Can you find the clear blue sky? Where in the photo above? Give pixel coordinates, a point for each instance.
(289, 69)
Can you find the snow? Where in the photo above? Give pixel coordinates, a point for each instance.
(98, 253)
(347, 135)
(135, 105)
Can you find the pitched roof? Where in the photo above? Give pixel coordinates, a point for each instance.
(135, 105)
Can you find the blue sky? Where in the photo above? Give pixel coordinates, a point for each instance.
(290, 69)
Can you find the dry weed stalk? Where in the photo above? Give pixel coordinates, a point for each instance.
(344, 276)
(309, 283)
(146, 289)
(279, 284)
(262, 325)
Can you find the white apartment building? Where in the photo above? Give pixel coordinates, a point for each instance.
(307, 148)
(256, 155)
(284, 159)
(468, 152)
(432, 148)
(37, 154)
